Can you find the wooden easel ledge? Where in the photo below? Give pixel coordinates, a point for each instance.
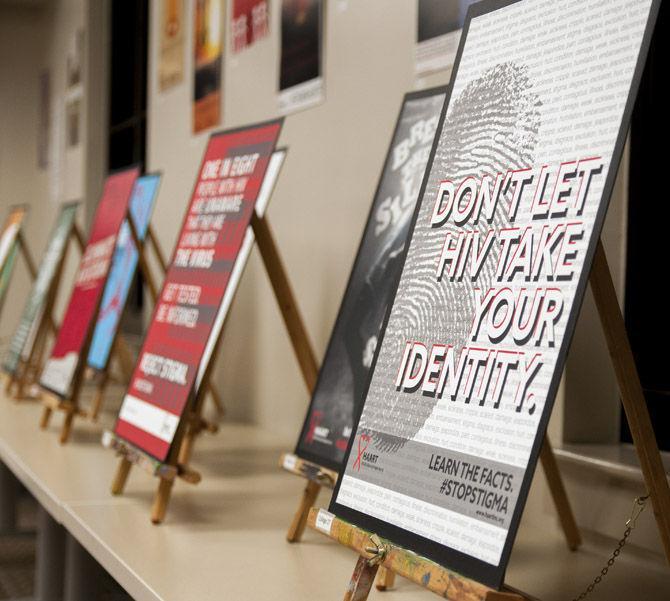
(424, 572)
(150, 465)
(294, 464)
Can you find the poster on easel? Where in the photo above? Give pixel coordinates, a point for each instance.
(24, 337)
(75, 331)
(9, 248)
(346, 364)
(212, 248)
(501, 245)
(122, 271)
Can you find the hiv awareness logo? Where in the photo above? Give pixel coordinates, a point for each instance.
(314, 422)
(363, 438)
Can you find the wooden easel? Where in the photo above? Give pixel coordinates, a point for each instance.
(120, 347)
(318, 477)
(28, 370)
(70, 406)
(22, 247)
(177, 463)
(375, 553)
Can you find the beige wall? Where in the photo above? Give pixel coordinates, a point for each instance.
(21, 51)
(33, 38)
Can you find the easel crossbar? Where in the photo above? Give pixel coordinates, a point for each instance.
(311, 471)
(137, 457)
(418, 569)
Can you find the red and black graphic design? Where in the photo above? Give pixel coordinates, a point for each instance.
(205, 268)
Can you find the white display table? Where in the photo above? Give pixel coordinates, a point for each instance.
(224, 538)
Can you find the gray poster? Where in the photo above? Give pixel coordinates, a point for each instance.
(344, 373)
(24, 336)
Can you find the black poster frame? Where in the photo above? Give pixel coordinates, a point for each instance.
(473, 568)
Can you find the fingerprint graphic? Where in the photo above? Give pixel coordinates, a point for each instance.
(491, 126)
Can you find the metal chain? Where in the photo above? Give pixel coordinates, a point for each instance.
(638, 508)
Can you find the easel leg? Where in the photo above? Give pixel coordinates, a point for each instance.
(216, 399)
(99, 396)
(560, 497)
(632, 396)
(67, 426)
(286, 300)
(46, 418)
(125, 356)
(121, 476)
(9, 383)
(186, 448)
(161, 500)
(385, 579)
(361, 580)
(299, 522)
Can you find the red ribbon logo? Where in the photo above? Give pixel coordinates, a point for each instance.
(313, 423)
(361, 449)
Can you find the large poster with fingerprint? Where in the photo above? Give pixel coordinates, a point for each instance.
(76, 328)
(122, 271)
(344, 372)
(501, 246)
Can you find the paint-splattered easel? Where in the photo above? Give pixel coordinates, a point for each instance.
(318, 477)
(375, 553)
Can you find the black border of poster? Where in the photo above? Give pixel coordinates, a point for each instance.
(299, 451)
(462, 563)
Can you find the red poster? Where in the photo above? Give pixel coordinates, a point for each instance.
(249, 23)
(212, 247)
(60, 369)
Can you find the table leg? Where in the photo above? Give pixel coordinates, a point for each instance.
(9, 489)
(83, 574)
(50, 558)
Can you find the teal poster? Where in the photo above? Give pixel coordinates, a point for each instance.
(122, 271)
(24, 337)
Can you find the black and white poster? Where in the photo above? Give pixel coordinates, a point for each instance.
(498, 258)
(346, 365)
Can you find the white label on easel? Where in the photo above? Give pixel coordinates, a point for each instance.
(289, 462)
(324, 520)
(107, 439)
